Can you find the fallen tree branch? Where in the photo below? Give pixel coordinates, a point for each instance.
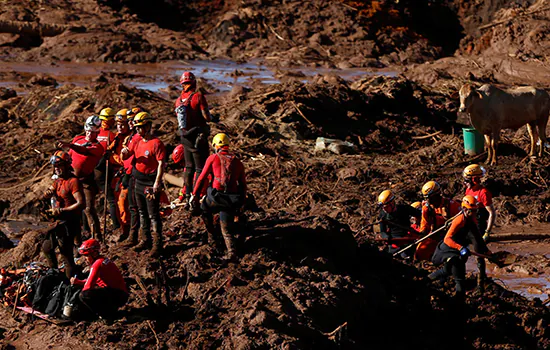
(301, 114)
(426, 136)
(497, 23)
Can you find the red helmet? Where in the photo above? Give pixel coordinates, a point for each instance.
(60, 157)
(177, 154)
(88, 246)
(187, 77)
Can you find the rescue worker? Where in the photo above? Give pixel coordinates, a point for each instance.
(105, 137)
(69, 197)
(486, 213)
(415, 220)
(177, 157)
(226, 193)
(85, 152)
(436, 210)
(193, 114)
(128, 180)
(149, 154)
(394, 221)
(453, 251)
(121, 192)
(104, 291)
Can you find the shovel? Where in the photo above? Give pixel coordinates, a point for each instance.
(500, 259)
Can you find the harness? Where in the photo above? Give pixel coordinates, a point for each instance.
(225, 163)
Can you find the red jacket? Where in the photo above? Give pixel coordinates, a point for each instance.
(104, 273)
(232, 174)
(84, 164)
(196, 106)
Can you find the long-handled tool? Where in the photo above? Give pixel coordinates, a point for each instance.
(427, 236)
(501, 259)
(366, 227)
(105, 192)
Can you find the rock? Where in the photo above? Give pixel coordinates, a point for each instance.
(335, 146)
(43, 80)
(6, 93)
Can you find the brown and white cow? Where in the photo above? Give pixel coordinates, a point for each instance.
(491, 109)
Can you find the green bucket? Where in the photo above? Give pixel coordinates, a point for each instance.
(473, 141)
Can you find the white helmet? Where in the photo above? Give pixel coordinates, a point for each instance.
(93, 123)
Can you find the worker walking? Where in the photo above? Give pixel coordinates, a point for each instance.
(453, 251)
(149, 154)
(486, 213)
(193, 114)
(395, 221)
(226, 193)
(67, 195)
(85, 152)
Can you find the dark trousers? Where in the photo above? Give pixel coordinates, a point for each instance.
(63, 237)
(103, 302)
(110, 195)
(132, 205)
(149, 210)
(195, 158)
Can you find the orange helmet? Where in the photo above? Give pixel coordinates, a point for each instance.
(430, 188)
(60, 157)
(133, 112)
(417, 205)
(386, 197)
(469, 202)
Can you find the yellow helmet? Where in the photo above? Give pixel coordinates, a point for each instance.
(386, 197)
(469, 202)
(220, 140)
(142, 118)
(133, 112)
(473, 170)
(122, 115)
(430, 188)
(107, 114)
(417, 205)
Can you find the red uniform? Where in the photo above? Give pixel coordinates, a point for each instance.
(197, 105)
(482, 195)
(104, 273)
(433, 218)
(129, 162)
(105, 137)
(84, 164)
(147, 154)
(65, 190)
(232, 174)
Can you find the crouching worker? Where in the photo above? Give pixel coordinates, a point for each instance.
(395, 223)
(453, 251)
(69, 203)
(104, 291)
(226, 194)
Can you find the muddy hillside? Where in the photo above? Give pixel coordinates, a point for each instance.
(309, 275)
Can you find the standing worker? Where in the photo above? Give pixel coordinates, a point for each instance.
(193, 114)
(453, 251)
(149, 154)
(486, 213)
(67, 191)
(105, 137)
(394, 219)
(85, 152)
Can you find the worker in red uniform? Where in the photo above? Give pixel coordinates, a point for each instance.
(226, 194)
(121, 192)
(69, 200)
(105, 138)
(193, 114)
(486, 213)
(104, 291)
(414, 220)
(85, 152)
(453, 251)
(128, 181)
(149, 154)
(394, 220)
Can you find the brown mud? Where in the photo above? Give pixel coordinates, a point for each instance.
(304, 280)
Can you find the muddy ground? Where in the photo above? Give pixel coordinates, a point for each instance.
(306, 279)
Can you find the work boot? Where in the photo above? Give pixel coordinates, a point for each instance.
(132, 237)
(125, 233)
(143, 245)
(157, 241)
(229, 241)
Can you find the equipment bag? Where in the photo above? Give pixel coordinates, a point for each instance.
(44, 286)
(56, 299)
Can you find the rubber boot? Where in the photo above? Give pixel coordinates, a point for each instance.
(157, 240)
(482, 275)
(125, 233)
(438, 275)
(132, 237)
(229, 241)
(145, 239)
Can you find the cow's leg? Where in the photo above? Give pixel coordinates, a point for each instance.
(489, 150)
(541, 126)
(494, 145)
(531, 129)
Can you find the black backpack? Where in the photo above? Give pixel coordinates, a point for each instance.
(56, 299)
(44, 286)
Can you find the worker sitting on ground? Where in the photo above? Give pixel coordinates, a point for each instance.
(486, 214)
(415, 220)
(104, 291)
(226, 193)
(395, 223)
(69, 203)
(453, 251)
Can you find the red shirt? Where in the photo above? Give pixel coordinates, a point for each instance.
(197, 105)
(65, 190)
(104, 273)
(83, 164)
(147, 154)
(105, 137)
(129, 162)
(445, 211)
(484, 197)
(213, 167)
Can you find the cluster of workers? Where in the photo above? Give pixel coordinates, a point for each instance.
(128, 166)
(469, 222)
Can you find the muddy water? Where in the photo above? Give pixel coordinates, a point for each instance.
(221, 74)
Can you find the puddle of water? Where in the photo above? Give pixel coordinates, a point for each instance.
(14, 228)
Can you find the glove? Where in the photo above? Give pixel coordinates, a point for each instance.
(486, 236)
(464, 251)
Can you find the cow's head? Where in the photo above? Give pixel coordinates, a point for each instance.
(467, 95)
